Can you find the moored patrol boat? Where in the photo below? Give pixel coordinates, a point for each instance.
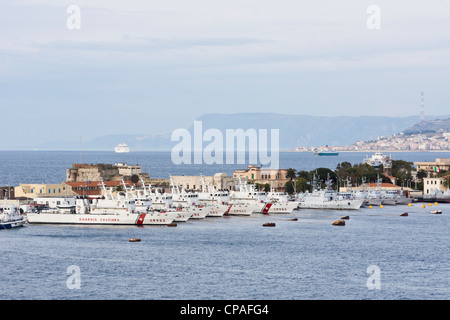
(260, 201)
(219, 200)
(107, 210)
(163, 203)
(10, 216)
(327, 199)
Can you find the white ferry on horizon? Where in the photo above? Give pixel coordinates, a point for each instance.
(122, 148)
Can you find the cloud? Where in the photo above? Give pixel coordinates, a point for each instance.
(179, 59)
(132, 44)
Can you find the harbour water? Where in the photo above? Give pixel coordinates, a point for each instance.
(236, 258)
(50, 166)
(227, 257)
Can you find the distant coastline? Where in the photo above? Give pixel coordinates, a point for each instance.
(375, 150)
(287, 150)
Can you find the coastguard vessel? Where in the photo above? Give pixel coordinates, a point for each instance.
(10, 216)
(248, 194)
(107, 210)
(220, 201)
(157, 202)
(280, 202)
(327, 199)
(190, 201)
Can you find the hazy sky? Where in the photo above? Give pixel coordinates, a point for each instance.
(149, 67)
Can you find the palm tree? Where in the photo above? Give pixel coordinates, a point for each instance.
(291, 174)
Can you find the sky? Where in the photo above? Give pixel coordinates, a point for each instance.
(149, 67)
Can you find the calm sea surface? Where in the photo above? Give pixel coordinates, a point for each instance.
(50, 166)
(229, 257)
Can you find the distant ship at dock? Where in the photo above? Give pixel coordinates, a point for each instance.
(326, 151)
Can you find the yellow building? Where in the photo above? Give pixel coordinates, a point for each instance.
(434, 167)
(32, 190)
(274, 177)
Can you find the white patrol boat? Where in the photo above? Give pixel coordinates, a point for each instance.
(163, 202)
(327, 199)
(277, 203)
(107, 210)
(10, 216)
(219, 200)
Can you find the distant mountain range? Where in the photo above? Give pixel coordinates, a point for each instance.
(430, 126)
(295, 130)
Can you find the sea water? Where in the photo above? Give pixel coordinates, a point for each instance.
(50, 166)
(231, 257)
(236, 258)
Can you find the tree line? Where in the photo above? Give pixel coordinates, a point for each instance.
(401, 173)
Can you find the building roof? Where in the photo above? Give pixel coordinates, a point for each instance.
(443, 177)
(95, 187)
(382, 185)
(83, 184)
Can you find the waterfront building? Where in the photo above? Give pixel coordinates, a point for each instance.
(274, 177)
(81, 172)
(7, 192)
(434, 167)
(94, 188)
(433, 184)
(33, 190)
(127, 170)
(219, 180)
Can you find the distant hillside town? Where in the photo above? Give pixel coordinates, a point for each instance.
(425, 136)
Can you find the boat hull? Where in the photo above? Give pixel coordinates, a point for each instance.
(100, 219)
(182, 216)
(13, 224)
(281, 208)
(216, 211)
(328, 153)
(197, 212)
(332, 205)
(242, 209)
